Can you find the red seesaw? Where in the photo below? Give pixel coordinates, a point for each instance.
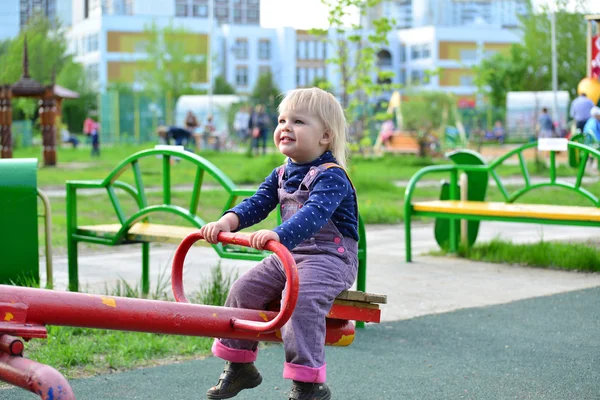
(25, 312)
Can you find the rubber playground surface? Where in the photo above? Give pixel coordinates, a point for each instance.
(541, 348)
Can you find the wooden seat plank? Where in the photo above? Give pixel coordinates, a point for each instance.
(498, 209)
(145, 232)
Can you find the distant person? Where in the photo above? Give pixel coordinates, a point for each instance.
(179, 135)
(241, 121)
(580, 110)
(191, 122)
(92, 129)
(592, 126)
(498, 132)
(208, 132)
(545, 125)
(386, 132)
(67, 137)
(258, 125)
(95, 140)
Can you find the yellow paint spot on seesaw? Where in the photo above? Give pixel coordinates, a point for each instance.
(8, 317)
(109, 302)
(215, 315)
(264, 316)
(345, 340)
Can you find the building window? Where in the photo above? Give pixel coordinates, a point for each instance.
(264, 49)
(301, 77)
(252, 14)
(415, 52)
(466, 80)
(93, 46)
(200, 10)
(181, 8)
(426, 51)
(241, 49)
(468, 55)
(241, 76)
(417, 76)
(221, 12)
(402, 53)
(237, 15)
(301, 50)
(91, 73)
(253, 2)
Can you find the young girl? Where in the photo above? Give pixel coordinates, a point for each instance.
(320, 228)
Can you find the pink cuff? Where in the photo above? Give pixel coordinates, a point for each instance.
(305, 374)
(233, 355)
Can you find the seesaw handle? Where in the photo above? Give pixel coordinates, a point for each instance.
(288, 302)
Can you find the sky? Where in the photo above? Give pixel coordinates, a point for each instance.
(307, 14)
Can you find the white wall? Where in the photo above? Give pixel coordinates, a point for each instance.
(9, 19)
(159, 8)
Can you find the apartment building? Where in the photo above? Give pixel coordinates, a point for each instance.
(417, 13)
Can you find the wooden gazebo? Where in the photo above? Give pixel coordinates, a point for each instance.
(50, 96)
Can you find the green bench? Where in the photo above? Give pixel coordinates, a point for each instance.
(467, 203)
(137, 227)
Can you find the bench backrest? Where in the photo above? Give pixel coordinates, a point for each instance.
(585, 152)
(189, 214)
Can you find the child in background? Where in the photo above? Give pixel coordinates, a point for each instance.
(320, 228)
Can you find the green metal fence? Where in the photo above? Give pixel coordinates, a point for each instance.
(129, 117)
(22, 133)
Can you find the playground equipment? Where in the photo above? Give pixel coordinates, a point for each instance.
(590, 84)
(50, 96)
(458, 204)
(24, 313)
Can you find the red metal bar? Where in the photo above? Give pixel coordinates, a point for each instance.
(291, 272)
(40, 379)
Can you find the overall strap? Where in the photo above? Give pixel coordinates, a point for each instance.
(311, 176)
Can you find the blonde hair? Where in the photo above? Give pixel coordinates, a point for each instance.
(326, 107)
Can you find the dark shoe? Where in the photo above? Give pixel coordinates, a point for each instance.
(235, 378)
(309, 391)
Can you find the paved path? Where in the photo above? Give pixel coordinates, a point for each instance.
(428, 285)
(453, 329)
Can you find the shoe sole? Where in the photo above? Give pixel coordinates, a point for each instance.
(251, 385)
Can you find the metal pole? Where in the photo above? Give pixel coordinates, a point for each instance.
(588, 60)
(209, 68)
(554, 68)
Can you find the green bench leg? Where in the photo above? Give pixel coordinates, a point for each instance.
(73, 268)
(407, 237)
(145, 269)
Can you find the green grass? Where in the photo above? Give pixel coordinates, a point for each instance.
(565, 256)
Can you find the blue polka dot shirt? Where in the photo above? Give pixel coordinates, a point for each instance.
(331, 197)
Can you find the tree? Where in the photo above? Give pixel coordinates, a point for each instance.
(266, 92)
(175, 63)
(355, 57)
(221, 86)
(528, 66)
(425, 114)
(322, 83)
(48, 58)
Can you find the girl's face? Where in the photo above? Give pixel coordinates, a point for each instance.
(301, 136)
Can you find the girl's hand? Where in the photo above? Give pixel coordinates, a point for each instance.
(258, 239)
(226, 223)
(212, 229)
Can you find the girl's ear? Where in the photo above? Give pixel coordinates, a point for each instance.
(326, 138)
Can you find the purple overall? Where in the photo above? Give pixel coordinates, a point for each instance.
(327, 265)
